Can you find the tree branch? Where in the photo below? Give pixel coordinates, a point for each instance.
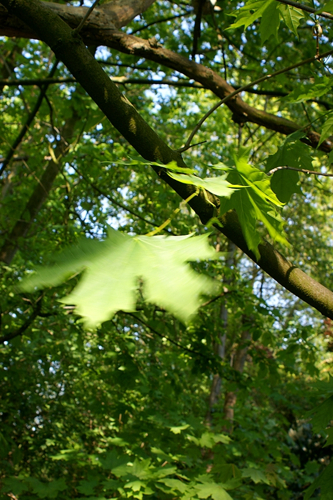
(25, 325)
(74, 54)
(303, 170)
(114, 201)
(162, 336)
(28, 122)
(245, 87)
(101, 31)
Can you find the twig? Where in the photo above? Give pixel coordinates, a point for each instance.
(175, 212)
(245, 87)
(303, 170)
(306, 8)
(89, 11)
(25, 325)
(165, 19)
(148, 81)
(35, 81)
(115, 202)
(29, 120)
(197, 353)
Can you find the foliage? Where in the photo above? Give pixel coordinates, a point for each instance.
(144, 399)
(114, 266)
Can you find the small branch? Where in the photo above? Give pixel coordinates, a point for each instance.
(29, 120)
(165, 19)
(306, 8)
(303, 170)
(197, 27)
(89, 11)
(25, 325)
(175, 212)
(115, 202)
(123, 80)
(122, 65)
(35, 81)
(245, 87)
(191, 351)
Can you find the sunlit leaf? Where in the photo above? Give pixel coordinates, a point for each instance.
(251, 11)
(327, 128)
(256, 202)
(216, 185)
(113, 267)
(213, 490)
(291, 16)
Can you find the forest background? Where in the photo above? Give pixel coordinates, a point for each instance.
(136, 137)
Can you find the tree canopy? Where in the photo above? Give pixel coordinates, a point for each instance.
(166, 249)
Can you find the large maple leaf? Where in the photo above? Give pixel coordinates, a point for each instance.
(114, 267)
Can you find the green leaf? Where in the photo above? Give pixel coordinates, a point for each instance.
(327, 128)
(328, 7)
(303, 92)
(271, 14)
(257, 476)
(13, 485)
(293, 153)
(284, 183)
(174, 484)
(227, 473)
(216, 185)
(329, 441)
(141, 468)
(169, 166)
(330, 157)
(47, 490)
(178, 429)
(113, 267)
(321, 415)
(254, 203)
(251, 11)
(213, 490)
(87, 486)
(291, 17)
(111, 460)
(324, 482)
(208, 439)
(270, 22)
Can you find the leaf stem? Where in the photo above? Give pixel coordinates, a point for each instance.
(175, 212)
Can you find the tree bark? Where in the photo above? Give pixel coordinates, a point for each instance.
(220, 346)
(238, 364)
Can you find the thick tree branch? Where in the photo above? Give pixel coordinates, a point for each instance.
(72, 51)
(117, 13)
(99, 32)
